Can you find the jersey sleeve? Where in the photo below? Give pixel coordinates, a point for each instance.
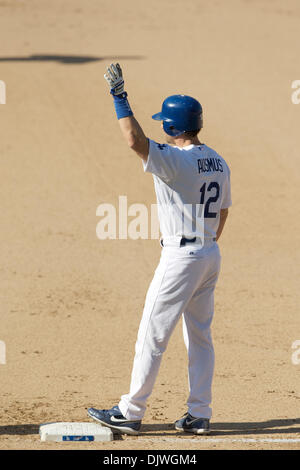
(226, 199)
(163, 161)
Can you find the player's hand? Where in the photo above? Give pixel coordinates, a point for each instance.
(114, 78)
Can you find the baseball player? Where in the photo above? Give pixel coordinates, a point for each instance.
(192, 185)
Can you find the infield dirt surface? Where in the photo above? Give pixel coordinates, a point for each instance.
(71, 303)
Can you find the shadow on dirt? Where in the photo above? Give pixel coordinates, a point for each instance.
(68, 59)
(19, 429)
(275, 426)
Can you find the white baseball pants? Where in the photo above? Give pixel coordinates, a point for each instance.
(183, 284)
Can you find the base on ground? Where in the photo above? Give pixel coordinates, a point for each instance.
(63, 432)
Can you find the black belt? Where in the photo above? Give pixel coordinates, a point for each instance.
(184, 240)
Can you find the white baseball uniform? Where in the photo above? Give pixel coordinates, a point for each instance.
(192, 185)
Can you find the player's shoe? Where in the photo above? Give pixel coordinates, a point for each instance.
(194, 425)
(114, 419)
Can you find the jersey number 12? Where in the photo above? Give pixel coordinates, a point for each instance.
(215, 187)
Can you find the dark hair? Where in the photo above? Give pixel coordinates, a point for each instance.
(192, 133)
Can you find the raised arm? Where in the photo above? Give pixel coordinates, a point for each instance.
(134, 136)
(130, 128)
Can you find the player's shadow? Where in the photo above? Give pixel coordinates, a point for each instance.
(275, 426)
(68, 59)
(19, 429)
(272, 426)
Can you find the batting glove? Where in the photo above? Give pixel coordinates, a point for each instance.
(114, 78)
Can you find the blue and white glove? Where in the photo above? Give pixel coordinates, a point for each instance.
(114, 78)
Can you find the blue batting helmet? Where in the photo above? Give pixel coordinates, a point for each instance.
(180, 113)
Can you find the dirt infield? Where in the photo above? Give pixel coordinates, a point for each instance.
(71, 303)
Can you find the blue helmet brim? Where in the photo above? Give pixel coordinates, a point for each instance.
(158, 117)
(161, 117)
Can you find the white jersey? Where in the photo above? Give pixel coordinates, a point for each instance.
(192, 185)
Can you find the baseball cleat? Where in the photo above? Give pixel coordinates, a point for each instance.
(114, 419)
(195, 425)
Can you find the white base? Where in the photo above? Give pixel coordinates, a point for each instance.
(66, 432)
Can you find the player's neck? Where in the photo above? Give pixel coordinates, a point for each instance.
(181, 142)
